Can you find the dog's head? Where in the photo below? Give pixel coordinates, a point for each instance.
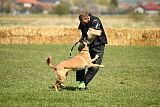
(84, 45)
(85, 42)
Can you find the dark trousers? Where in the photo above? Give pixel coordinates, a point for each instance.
(81, 76)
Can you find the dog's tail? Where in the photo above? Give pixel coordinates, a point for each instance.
(48, 61)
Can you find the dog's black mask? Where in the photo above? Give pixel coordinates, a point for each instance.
(82, 44)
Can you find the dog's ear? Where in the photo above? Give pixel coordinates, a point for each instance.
(87, 42)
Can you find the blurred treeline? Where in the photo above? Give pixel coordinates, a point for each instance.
(64, 7)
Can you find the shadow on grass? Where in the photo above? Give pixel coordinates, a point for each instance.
(69, 88)
(60, 88)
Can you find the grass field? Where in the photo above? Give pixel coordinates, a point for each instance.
(131, 77)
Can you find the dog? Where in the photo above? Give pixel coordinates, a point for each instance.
(81, 61)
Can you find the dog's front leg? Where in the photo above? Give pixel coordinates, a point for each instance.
(95, 65)
(94, 59)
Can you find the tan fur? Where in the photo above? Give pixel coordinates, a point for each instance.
(80, 61)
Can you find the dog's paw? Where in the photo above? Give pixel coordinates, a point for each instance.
(62, 85)
(96, 56)
(102, 66)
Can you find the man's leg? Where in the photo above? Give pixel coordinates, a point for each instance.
(93, 70)
(80, 76)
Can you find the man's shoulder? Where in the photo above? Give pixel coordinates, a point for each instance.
(94, 18)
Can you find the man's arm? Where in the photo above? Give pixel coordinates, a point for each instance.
(95, 29)
(84, 33)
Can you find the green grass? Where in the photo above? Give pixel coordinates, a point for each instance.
(131, 77)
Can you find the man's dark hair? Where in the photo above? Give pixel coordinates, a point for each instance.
(83, 14)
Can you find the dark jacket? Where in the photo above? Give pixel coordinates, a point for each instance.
(94, 23)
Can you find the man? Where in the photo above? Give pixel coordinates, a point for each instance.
(96, 47)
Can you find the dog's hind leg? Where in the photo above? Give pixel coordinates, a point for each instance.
(59, 81)
(56, 85)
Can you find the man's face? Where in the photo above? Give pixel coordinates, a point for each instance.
(85, 20)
